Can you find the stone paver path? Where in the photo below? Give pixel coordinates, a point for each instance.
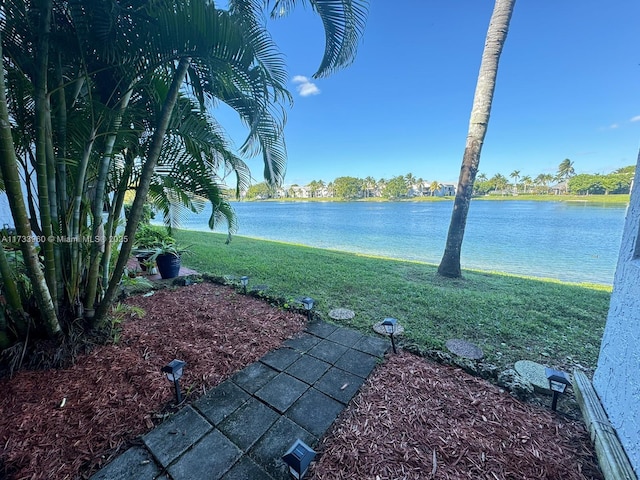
(240, 429)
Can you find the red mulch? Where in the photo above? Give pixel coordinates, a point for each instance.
(415, 419)
(116, 393)
(409, 408)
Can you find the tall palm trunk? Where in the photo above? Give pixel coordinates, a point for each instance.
(143, 188)
(44, 176)
(485, 86)
(98, 246)
(12, 183)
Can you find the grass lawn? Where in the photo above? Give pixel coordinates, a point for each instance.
(511, 318)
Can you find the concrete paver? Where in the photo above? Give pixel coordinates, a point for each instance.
(308, 369)
(211, 457)
(281, 392)
(240, 429)
(173, 437)
(253, 377)
(254, 413)
(314, 411)
(221, 401)
(328, 351)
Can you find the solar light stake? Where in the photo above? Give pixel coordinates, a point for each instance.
(174, 370)
(389, 325)
(308, 305)
(298, 458)
(244, 281)
(558, 382)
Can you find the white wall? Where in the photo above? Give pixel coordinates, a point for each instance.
(617, 377)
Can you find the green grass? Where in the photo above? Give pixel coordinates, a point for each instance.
(621, 199)
(510, 317)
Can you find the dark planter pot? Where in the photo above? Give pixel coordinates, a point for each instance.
(142, 260)
(168, 265)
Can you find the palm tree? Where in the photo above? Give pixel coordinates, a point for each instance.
(516, 176)
(435, 186)
(74, 82)
(496, 36)
(369, 186)
(526, 182)
(565, 172)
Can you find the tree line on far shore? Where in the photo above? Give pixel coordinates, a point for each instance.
(565, 181)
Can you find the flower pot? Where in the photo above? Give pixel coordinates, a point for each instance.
(168, 265)
(143, 259)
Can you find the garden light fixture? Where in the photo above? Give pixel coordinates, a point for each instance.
(558, 382)
(390, 325)
(308, 305)
(174, 370)
(298, 458)
(244, 281)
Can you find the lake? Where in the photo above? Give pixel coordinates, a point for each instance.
(570, 241)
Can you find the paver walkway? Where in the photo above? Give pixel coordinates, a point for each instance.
(240, 429)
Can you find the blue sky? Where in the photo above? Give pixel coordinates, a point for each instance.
(568, 87)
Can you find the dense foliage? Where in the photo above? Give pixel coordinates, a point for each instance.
(101, 97)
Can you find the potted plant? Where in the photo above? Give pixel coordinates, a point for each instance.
(168, 258)
(146, 241)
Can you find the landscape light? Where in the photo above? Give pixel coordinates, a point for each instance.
(174, 370)
(390, 325)
(244, 281)
(308, 305)
(558, 382)
(298, 458)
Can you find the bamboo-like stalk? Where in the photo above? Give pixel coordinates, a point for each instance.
(143, 188)
(11, 177)
(98, 247)
(42, 175)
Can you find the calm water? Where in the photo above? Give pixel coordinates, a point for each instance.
(575, 242)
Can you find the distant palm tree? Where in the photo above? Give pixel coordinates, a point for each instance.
(482, 177)
(565, 172)
(435, 186)
(369, 186)
(526, 182)
(483, 97)
(516, 176)
(410, 179)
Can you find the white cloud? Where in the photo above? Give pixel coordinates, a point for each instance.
(305, 86)
(635, 119)
(613, 126)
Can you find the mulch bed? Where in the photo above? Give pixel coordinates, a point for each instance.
(414, 419)
(116, 393)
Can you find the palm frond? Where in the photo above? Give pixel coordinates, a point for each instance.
(343, 21)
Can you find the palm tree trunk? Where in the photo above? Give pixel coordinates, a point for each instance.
(116, 211)
(496, 36)
(143, 188)
(98, 246)
(43, 175)
(12, 183)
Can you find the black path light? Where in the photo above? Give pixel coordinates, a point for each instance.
(244, 281)
(308, 305)
(390, 325)
(558, 382)
(298, 458)
(174, 370)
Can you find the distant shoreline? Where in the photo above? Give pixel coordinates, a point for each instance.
(619, 199)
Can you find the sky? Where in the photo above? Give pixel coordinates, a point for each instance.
(567, 87)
